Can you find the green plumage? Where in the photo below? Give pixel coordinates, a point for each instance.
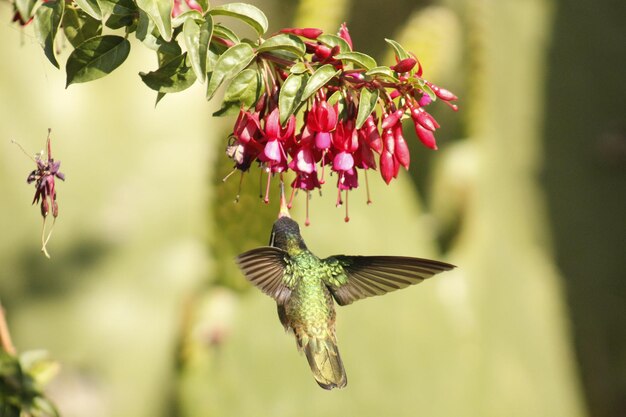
(306, 287)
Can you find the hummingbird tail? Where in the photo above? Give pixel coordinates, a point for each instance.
(325, 362)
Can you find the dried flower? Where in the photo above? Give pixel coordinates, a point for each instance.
(45, 188)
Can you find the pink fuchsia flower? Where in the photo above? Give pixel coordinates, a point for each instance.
(303, 157)
(274, 153)
(320, 121)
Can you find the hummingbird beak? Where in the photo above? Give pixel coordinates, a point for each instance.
(284, 210)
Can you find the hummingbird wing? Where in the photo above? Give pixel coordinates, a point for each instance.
(356, 277)
(265, 268)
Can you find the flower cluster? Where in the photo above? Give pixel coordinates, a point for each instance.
(352, 123)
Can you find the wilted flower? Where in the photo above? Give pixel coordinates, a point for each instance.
(44, 176)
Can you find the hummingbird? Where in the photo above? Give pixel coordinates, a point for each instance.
(306, 289)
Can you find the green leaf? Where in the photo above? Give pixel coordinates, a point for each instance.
(367, 103)
(213, 54)
(333, 40)
(401, 53)
(25, 8)
(197, 38)
(90, 7)
(229, 64)
(47, 20)
(204, 4)
(79, 26)
(159, 11)
(283, 42)
(168, 51)
(320, 77)
(145, 32)
(225, 33)
(384, 72)
(290, 95)
(159, 98)
(298, 68)
(245, 88)
(244, 91)
(361, 59)
(335, 97)
(425, 88)
(96, 58)
(172, 77)
(183, 17)
(244, 12)
(229, 108)
(120, 13)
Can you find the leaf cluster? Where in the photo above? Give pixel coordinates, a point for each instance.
(21, 380)
(191, 45)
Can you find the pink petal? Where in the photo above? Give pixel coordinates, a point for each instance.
(272, 150)
(305, 162)
(343, 161)
(322, 140)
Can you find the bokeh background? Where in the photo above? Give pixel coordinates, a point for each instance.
(144, 310)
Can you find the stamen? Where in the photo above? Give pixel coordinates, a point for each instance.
(347, 218)
(229, 175)
(293, 193)
(284, 210)
(307, 222)
(339, 202)
(367, 189)
(322, 180)
(23, 150)
(267, 188)
(239, 188)
(48, 144)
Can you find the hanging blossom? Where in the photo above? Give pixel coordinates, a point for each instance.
(352, 122)
(43, 176)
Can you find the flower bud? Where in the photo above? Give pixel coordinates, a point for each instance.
(345, 34)
(310, 33)
(392, 119)
(388, 141)
(442, 93)
(401, 149)
(386, 166)
(404, 65)
(424, 118)
(425, 136)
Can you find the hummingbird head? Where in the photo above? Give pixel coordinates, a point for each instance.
(286, 235)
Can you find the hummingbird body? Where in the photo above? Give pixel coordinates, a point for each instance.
(306, 287)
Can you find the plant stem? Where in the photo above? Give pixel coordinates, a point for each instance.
(6, 344)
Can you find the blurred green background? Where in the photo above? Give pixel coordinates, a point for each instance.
(145, 311)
